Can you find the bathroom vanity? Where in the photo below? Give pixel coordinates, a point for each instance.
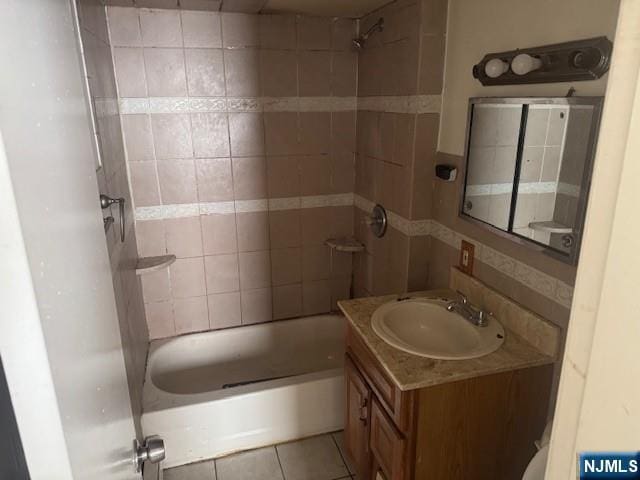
(412, 417)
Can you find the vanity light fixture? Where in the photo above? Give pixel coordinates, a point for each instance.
(578, 60)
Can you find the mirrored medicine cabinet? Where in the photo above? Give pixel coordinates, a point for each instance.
(528, 169)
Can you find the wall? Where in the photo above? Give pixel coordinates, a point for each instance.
(239, 132)
(399, 86)
(474, 29)
(113, 181)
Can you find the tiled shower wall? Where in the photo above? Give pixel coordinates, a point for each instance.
(112, 181)
(399, 86)
(396, 141)
(240, 138)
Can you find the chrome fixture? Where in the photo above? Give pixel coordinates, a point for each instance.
(106, 202)
(152, 451)
(359, 42)
(377, 221)
(586, 59)
(462, 307)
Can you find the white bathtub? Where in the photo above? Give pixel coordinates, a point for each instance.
(195, 395)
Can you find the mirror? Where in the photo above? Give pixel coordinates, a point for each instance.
(528, 168)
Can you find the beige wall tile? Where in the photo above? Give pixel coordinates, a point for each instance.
(224, 310)
(256, 306)
(214, 179)
(210, 135)
(278, 31)
(342, 166)
(161, 28)
(342, 33)
(431, 64)
(253, 231)
(314, 73)
(138, 139)
(205, 72)
(283, 176)
(316, 262)
(144, 183)
(219, 234)
(281, 133)
(278, 73)
(160, 319)
(201, 29)
(247, 134)
(316, 225)
(165, 71)
(171, 135)
(242, 71)
(255, 269)
(344, 68)
(156, 287)
(315, 132)
(222, 273)
(177, 180)
(315, 175)
(286, 266)
(191, 315)
(150, 238)
(316, 297)
(249, 178)
(183, 236)
(285, 228)
(287, 301)
(124, 27)
(130, 73)
(187, 277)
(314, 33)
(240, 30)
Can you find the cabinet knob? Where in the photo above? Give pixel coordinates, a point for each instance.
(363, 409)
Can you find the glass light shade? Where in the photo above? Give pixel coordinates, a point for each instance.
(523, 64)
(495, 67)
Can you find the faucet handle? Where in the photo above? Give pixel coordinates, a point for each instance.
(463, 298)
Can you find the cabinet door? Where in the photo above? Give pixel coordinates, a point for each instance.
(356, 431)
(388, 446)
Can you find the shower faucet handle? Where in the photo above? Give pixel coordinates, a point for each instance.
(106, 202)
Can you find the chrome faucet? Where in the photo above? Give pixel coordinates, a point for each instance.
(462, 307)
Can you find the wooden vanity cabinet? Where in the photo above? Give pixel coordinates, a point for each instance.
(480, 428)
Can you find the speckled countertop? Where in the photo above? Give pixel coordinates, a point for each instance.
(411, 371)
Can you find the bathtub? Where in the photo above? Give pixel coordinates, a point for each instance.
(209, 394)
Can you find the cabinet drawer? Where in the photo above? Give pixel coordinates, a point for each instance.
(388, 445)
(397, 403)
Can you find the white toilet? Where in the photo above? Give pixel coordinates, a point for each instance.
(538, 464)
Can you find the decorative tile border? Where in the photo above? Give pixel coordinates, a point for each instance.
(538, 281)
(161, 212)
(131, 106)
(393, 104)
(401, 104)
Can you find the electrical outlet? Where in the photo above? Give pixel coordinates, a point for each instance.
(466, 257)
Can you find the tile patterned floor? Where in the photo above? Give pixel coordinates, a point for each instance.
(315, 458)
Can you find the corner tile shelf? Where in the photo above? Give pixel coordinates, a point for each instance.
(153, 264)
(345, 244)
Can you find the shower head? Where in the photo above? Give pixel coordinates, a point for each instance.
(359, 42)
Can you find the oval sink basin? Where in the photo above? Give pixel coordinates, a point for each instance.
(424, 327)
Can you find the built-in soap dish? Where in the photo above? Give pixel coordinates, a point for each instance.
(153, 264)
(345, 244)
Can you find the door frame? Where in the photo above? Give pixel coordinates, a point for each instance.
(598, 408)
